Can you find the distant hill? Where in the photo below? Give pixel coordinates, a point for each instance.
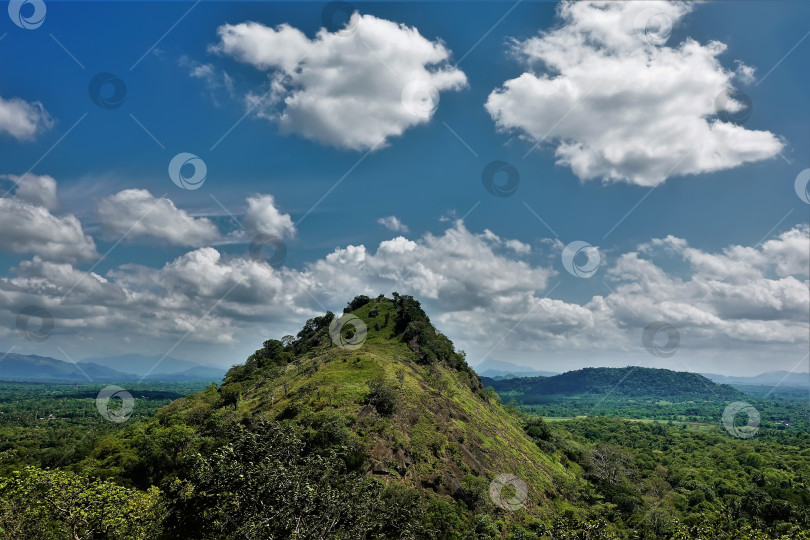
(771, 378)
(629, 382)
(196, 373)
(498, 369)
(32, 368)
(19, 367)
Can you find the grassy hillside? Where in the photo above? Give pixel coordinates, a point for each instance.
(382, 405)
(406, 399)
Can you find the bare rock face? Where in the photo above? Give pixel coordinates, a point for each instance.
(455, 488)
(431, 481)
(403, 462)
(470, 459)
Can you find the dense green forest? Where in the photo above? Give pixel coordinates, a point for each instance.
(315, 437)
(49, 424)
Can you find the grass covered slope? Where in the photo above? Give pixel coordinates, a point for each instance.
(404, 399)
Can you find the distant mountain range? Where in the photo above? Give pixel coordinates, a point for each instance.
(498, 370)
(32, 368)
(140, 364)
(771, 378)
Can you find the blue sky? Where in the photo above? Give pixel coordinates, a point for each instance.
(427, 177)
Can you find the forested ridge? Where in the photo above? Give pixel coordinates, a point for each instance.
(628, 382)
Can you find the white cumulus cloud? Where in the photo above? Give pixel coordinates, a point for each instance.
(36, 189)
(618, 103)
(22, 119)
(262, 217)
(137, 213)
(748, 304)
(393, 223)
(351, 90)
(28, 226)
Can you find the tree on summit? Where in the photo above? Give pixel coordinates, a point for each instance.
(358, 302)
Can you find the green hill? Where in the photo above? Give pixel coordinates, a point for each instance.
(375, 402)
(628, 383)
(408, 399)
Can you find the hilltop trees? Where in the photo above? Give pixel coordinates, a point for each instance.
(358, 302)
(429, 345)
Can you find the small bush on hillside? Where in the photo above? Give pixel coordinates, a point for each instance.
(537, 429)
(382, 396)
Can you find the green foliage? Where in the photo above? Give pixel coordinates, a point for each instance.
(431, 347)
(47, 504)
(383, 396)
(521, 534)
(445, 520)
(358, 302)
(665, 480)
(313, 334)
(475, 492)
(51, 425)
(266, 483)
(274, 354)
(485, 528)
(537, 428)
(540, 433)
(231, 392)
(657, 394)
